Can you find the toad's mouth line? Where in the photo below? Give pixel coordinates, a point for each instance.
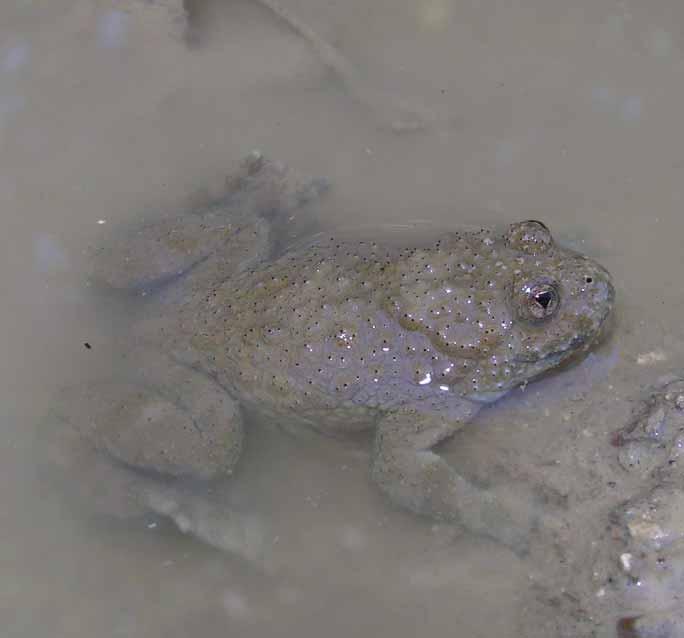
(578, 344)
(555, 354)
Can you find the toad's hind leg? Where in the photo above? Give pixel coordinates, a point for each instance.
(263, 203)
(153, 441)
(160, 416)
(100, 485)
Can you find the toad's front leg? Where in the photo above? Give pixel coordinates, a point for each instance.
(416, 478)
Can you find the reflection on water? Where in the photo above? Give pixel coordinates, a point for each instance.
(112, 111)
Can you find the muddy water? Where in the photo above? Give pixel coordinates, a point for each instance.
(566, 112)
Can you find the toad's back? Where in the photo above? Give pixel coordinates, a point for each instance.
(314, 330)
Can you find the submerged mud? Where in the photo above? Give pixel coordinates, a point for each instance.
(112, 112)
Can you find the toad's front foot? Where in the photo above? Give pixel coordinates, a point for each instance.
(417, 479)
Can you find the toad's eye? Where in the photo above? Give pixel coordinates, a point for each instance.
(537, 301)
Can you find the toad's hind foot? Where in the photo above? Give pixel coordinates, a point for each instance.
(226, 529)
(263, 204)
(105, 489)
(267, 189)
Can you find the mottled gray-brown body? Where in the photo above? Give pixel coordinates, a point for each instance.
(332, 335)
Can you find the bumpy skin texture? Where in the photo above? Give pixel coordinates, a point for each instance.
(338, 327)
(343, 336)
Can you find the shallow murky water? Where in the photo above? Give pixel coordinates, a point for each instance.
(566, 112)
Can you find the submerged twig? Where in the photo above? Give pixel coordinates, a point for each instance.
(407, 120)
(392, 113)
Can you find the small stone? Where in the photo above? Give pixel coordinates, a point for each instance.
(651, 358)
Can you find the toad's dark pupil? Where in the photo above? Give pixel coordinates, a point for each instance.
(544, 298)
